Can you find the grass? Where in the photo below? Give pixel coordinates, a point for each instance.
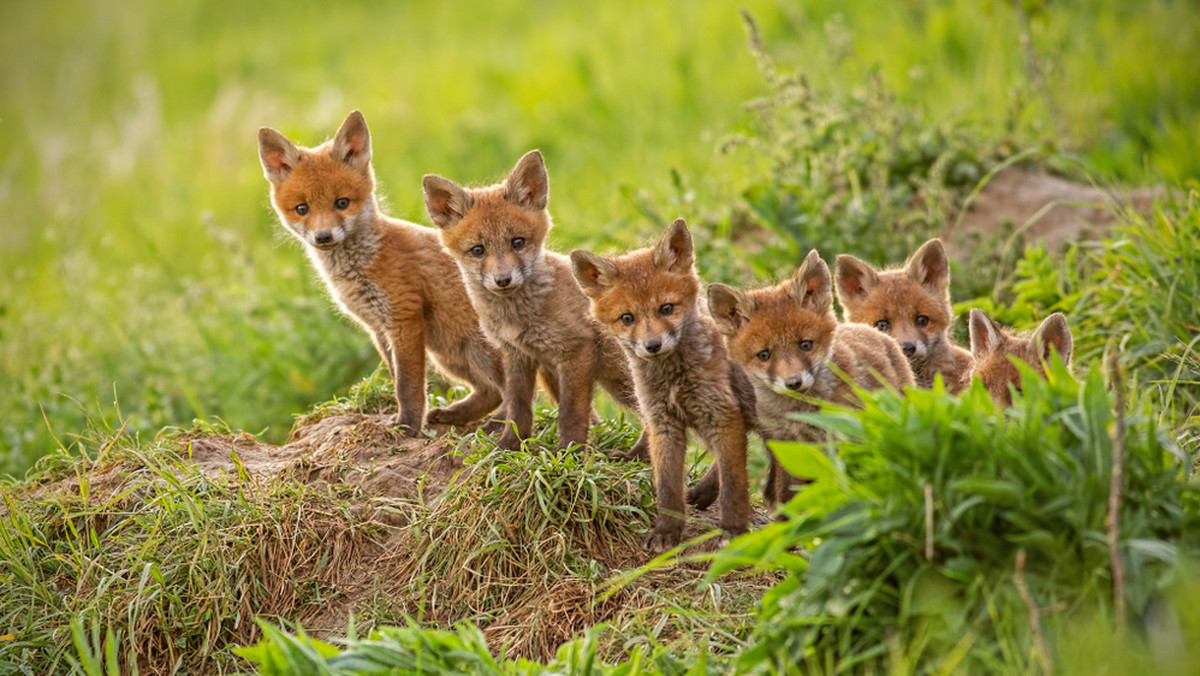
(147, 285)
(146, 273)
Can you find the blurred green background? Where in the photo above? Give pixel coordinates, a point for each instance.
(143, 277)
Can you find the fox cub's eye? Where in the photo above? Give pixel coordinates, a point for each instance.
(302, 209)
(342, 203)
(666, 309)
(922, 321)
(764, 355)
(627, 319)
(476, 251)
(806, 345)
(518, 243)
(884, 325)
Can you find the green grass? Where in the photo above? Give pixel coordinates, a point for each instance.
(144, 269)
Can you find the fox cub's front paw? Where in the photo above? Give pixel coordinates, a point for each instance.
(444, 416)
(509, 441)
(663, 537)
(405, 425)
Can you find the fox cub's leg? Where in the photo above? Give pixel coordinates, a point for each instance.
(520, 375)
(668, 454)
(408, 354)
(727, 442)
(576, 380)
(704, 492)
(481, 367)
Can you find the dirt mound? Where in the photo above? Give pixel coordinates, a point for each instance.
(361, 451)
(354, 449)
(1073, 212)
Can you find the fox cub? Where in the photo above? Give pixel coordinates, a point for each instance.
(992, 348)
(527, 301)
(911, 304)
(390, 276)
(787, 339)
(649, 300)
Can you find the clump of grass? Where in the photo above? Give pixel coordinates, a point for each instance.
(927, 539)
(175, 563)
(412, 650)
(521, 543)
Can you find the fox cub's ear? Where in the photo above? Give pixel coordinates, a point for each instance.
(985, 336)
(856, 279)
(811, 285)
(352, 144)
(595, 275)
(279, 156)
(730, 309)
(1054, 333)
(528, 186)
(930, 268)
(673, 253)
(445, 200)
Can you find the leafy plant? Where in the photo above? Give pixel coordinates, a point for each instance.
(941, 521)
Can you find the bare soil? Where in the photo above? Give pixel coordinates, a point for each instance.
(1014, 196)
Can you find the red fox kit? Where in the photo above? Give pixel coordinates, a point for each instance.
(527, 301)
(787, 339)
(390, 276)
(992, 347)
(911, 304)
(649, 300)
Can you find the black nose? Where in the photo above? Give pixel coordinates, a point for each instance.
(794, 383)
(503, 281)
(324, 237)
(909, 349)
(653, 346)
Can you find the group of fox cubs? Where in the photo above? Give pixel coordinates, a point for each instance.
(495, 309)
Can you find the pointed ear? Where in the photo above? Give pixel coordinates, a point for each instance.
(985, 336)
(731, 309)
(1054, 333)
(594, 274)
(674, 251)
(528, 186)
(352, 144)
(811, 285)
(279, 156)
(855, 280)
(445, 200)
(930, 268)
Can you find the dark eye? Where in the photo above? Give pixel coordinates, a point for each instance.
(302, 209)
(341, 203)
(626, 319)
(884, 325)
(666, 309)
(764, 355)
(518, 243)
(476, 251)
(806, 345)
(922, 320)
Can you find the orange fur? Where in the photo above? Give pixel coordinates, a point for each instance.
(527, 301)
(649, 300)
(390, 276)
(911, 304)
(789, 342)
(993, 347)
